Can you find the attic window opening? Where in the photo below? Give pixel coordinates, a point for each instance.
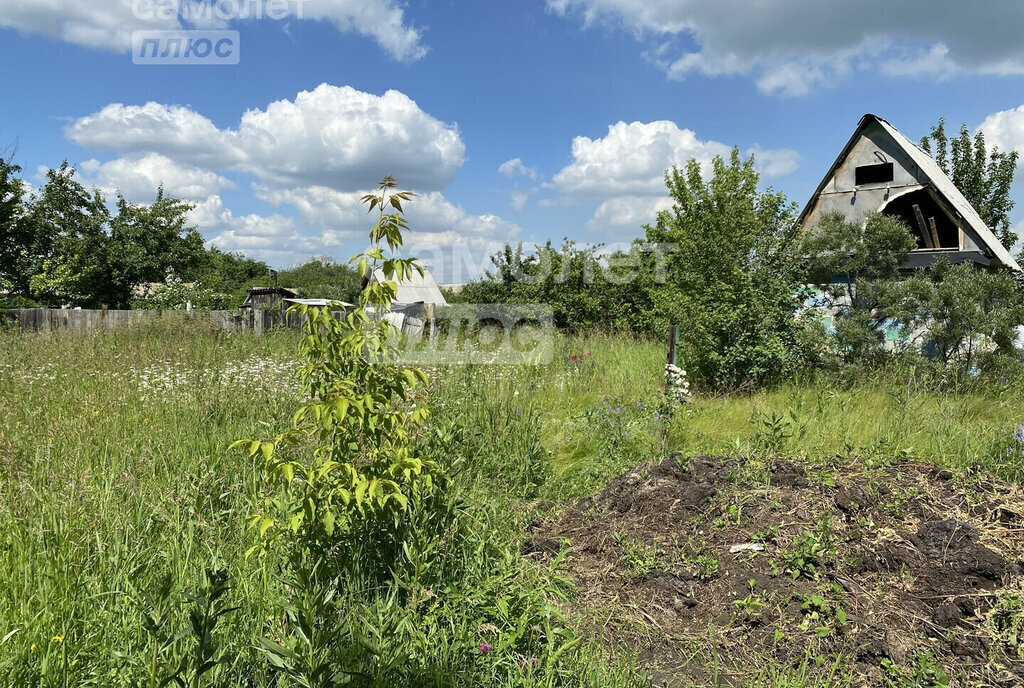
(931, 224)
(874, 174)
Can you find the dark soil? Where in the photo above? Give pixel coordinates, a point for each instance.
(896, 569)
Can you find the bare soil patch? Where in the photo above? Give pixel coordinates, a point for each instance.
(895, 572)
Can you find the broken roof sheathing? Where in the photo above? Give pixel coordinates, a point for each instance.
(934, 175)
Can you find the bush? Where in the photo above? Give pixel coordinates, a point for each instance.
(734, 281)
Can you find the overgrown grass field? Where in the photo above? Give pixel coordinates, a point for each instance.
(120, 503)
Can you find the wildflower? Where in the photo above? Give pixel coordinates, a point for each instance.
(588, 352)
(528, 662)
(485, 648)
(573, 357)
(57, 639)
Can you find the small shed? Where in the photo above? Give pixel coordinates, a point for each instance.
(267, 297)
(881, 170)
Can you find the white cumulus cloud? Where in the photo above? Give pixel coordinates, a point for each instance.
(275, 238)
(632, 159)
(312, 157)
(332, 136)
(138, 177)
(449, 237)
(108, 24)
(629, 211)
(516, 168)
(626, 169)
(1005, 129)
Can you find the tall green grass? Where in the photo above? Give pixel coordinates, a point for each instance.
(116, 479)
(119, 497)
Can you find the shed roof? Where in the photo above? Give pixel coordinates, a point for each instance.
(935, 175)
(317, 302)
(263, 291)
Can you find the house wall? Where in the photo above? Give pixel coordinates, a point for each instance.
(842, 194)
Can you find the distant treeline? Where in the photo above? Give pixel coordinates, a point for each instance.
(64, 245)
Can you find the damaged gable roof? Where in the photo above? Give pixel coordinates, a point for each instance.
(942, 183)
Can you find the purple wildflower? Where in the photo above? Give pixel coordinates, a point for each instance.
(485, 648)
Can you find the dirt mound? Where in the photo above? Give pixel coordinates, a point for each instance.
(722, 568)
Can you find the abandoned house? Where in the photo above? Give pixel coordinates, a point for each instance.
(882, 170)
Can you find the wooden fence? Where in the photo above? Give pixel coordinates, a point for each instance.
(83, 321)
(89, 320)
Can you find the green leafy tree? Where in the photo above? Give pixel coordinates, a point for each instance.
(149, 242)
(13, 229)
(734, 281)
(65, 246)
(983, 176)
(230, 273)
(855, 268)
(966, 315)
(175, 294)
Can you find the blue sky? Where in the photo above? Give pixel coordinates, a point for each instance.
(593, 98)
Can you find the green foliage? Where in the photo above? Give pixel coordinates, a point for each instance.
(821, 615)
(984, 177)
(968, 316)
(230, 273)
(854, 268)
(174, 294)
(13, 228)
(86, 452)
(585, 290)
(923, 672)
(63, 259)
(753, 603)
(639, 558)
(809, 551)
(64, 246)
(149, 242)
(705, 567)
(187, 657)
(1006, 621)
(965, 315)
(322, 278)
(346, 464)
(734, 280)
